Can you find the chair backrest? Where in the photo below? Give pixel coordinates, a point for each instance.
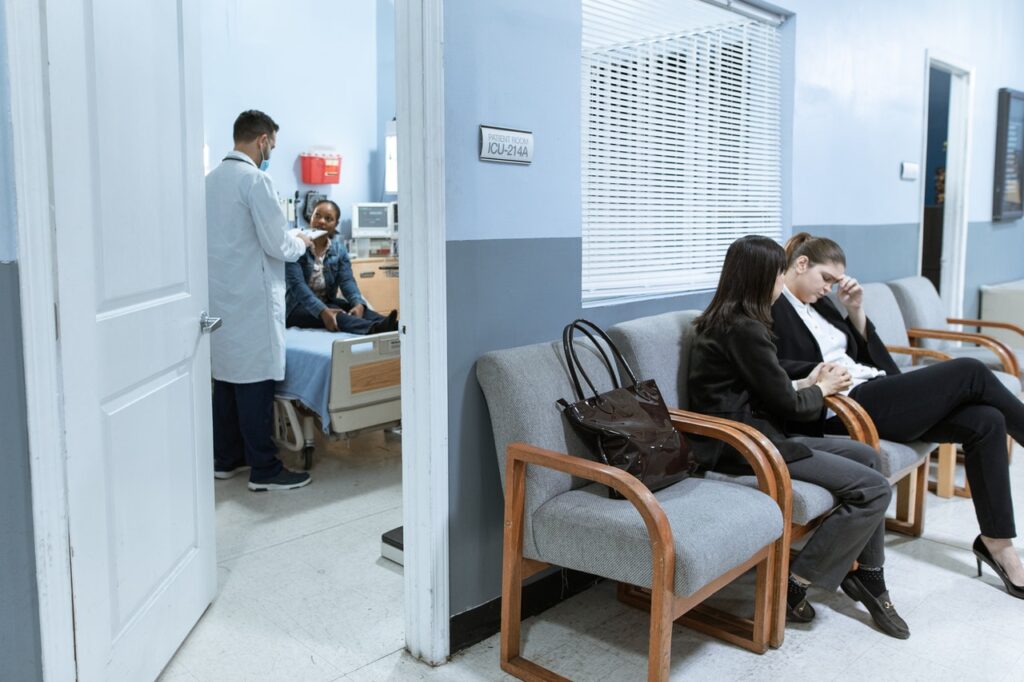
(921, 305)
(658, 347)
(881, 307)
(521, 386)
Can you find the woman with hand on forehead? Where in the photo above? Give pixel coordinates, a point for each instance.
(956, 401)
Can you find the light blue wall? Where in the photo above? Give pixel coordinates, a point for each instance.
(860, 69)
(313, 66)
(20, 657)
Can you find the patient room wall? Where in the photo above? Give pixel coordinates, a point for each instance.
(20, 657)
(324, 71)
(855, 85)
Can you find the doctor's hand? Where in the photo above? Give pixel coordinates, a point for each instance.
(851, 294)
(330, 321)
(357, 310)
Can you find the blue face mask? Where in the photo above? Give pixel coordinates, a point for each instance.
(265, 163)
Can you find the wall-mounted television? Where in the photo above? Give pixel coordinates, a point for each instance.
(1008, 190)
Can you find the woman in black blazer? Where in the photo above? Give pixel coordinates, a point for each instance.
(957, 401)
(735, 374)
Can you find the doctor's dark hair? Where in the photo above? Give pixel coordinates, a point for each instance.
(251, 124)
(745, 286)
(817, 249)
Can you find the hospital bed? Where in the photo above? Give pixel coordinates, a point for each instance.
(348, 383)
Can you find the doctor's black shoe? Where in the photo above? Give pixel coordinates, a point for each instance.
(286, 480)
(231, 472)
(881, 609)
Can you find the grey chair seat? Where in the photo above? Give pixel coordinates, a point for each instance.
(586, 530)
(899, 458)
(809, 500)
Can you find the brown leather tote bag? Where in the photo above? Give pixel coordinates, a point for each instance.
(629, 425)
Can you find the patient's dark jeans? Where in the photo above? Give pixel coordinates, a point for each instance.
(956, 401)
(346, 323)
(243, 417)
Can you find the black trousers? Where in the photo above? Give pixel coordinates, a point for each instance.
(346, 323)
(243, 422)
(856, 528)
(956, 401)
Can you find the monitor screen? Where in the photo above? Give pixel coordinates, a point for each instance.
(373, 216)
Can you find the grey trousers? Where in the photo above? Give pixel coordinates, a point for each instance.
(856, 529)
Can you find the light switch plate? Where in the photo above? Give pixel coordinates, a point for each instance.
(909, 170)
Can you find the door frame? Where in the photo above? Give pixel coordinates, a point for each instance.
(958, 161)
(420, 99)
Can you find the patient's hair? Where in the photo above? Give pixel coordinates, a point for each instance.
(817, 249)
(251, 124)
(337, 211)
(745, 285)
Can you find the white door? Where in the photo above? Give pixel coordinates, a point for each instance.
(126, 125)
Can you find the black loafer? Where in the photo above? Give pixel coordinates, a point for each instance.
(881, 609)
(803, 612)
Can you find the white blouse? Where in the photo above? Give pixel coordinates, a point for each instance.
(831, 341)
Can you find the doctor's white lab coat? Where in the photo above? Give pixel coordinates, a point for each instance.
(247, 244)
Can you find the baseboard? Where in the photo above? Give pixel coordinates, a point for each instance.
(479, 623)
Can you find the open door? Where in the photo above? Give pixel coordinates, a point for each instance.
(126, 126)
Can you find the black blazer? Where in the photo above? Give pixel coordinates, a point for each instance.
(736, 375)
(799, 353)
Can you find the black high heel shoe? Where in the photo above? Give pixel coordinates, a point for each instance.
(981, 553)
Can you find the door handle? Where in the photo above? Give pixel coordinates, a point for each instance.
(208, 324)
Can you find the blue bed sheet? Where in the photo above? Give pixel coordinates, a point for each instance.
(307, 375)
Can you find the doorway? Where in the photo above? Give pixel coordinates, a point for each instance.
(949, 93)
(36, 91)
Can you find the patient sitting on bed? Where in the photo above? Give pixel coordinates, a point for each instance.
(314, 280)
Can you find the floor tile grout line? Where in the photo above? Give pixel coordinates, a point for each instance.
(304, 535)
(366, 665)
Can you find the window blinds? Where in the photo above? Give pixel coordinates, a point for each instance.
(681, 147)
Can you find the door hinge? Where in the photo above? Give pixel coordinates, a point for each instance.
(56, 321)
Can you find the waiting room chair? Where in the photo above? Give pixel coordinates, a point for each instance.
(658, 347)
(682, 543)
(880, 304)
(928, 326)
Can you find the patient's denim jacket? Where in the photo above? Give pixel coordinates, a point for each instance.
(337, 273)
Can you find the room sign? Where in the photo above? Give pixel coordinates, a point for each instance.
(506, 145)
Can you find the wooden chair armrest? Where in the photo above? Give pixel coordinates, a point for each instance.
(1005, 355)
(658, 529)
(987, 323)
(759, 452)
(918, 353)
(855, 418)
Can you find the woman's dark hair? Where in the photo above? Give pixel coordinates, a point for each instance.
(817, 249)
(337, 211)
(746, 284)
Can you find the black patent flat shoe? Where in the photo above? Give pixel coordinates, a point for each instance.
(803, 612)
(981, 553)
(881, 608)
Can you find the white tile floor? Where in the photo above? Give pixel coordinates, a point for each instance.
(305, 627)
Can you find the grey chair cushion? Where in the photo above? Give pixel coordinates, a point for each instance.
(716, 526)
(898, 459)
(921, 307)
(809, 501)
(657, 347)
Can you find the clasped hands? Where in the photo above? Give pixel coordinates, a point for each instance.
(829, 377)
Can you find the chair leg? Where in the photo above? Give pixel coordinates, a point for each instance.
(944, 484)
(910, 503)
(660, 648)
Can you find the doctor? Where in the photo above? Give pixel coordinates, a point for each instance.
(248, 244)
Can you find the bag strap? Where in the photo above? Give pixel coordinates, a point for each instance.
(586, 327)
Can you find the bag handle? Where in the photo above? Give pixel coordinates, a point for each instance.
(574, 364)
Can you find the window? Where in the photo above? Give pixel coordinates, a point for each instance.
(681, 143)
